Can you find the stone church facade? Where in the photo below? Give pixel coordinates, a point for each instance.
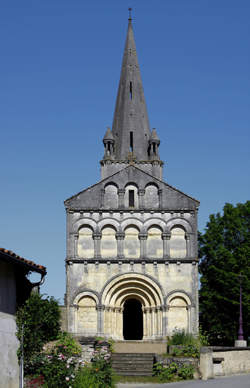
(131, 265)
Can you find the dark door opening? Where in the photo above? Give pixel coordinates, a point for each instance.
(132, 320)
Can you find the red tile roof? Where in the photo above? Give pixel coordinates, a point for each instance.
(11, 256)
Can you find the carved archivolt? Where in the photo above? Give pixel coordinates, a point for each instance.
(132, 286)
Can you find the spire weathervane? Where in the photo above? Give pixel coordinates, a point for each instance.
(130, 14)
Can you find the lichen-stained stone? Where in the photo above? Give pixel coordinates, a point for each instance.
(178, 243)
(85, 243)
(131, 243)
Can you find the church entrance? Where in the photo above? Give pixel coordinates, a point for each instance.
(132, 320)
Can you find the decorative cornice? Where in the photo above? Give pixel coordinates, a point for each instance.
(123, 260)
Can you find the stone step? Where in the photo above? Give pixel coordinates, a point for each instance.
(158, 347)
(133, 364)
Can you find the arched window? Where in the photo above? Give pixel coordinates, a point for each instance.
(151, 199)
(85, 247)
(131, 197)
(108, 242)
(154, 243)
(111, 197)
(87, 316)
(178, 247)
(131, 243)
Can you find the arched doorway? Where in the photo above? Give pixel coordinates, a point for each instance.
(132, 320)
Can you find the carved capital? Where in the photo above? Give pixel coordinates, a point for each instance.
(166, 236)
(97, 236)
(141, 192)
(120, 235)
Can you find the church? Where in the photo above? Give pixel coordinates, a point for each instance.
(132, 258)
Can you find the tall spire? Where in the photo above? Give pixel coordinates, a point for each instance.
(131, 129)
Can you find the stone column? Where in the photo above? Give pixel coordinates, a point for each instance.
(164, 237)
(150, 327)
(121, 204)
(102, 197)
(75, 245)
(144, 312)
(158, 321)
(164, 321)
(97, 245)
(160, 198)
(120, 244)
(188, 250)
(189, 328)
(141, 193)
(153, 321)
(167, 244)
(143, 238)
(100, 308)
(119, 321)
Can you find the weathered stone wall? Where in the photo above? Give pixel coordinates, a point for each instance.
(134, 230)
(8, 341)
(233, 361)
(224, 361)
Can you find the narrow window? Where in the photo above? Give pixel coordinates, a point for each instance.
(131, 142)
(131, 198)
(130, 90)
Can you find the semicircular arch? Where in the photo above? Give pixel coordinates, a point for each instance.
(122, 284)
(88, 222)
(109, 222)
(175, 222)
(179, 294)
(158, 222)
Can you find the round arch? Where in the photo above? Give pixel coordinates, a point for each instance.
(88, 222)
(132, 290)
(122, 284)
(175, 222)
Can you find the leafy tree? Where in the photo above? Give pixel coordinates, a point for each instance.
(39, 319)
(224, 249)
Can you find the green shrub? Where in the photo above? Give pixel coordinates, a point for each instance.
(85, 378)
(190, 345)
(181, 338)
(57, 363)
(186, 372)
(186, 351)
(165, 373)
(173, 372)
(38, 321)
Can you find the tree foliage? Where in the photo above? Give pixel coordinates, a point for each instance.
(224, 249)
(39, 320)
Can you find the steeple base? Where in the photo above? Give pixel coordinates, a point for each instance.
(110, 167)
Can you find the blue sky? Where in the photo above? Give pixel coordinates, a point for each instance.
(59, 73)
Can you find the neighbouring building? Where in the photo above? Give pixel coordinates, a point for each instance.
(132, 263)
(15, 288)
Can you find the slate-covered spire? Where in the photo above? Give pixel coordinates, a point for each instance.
(131, 129)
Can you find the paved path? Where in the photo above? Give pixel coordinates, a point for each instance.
(242, 381)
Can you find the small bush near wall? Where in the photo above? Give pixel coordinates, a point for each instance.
(173, 372)
(60, 365)
(38, 321)
(98, 373)
(183, 344)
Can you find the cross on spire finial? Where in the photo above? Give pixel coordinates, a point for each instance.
(130, 14)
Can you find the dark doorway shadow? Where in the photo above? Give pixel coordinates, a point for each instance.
(132, 320)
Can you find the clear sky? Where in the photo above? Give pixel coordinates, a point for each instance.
(59, 72)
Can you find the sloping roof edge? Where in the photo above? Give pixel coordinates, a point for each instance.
(13, 258)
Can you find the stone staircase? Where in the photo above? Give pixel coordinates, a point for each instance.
(133, 364)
